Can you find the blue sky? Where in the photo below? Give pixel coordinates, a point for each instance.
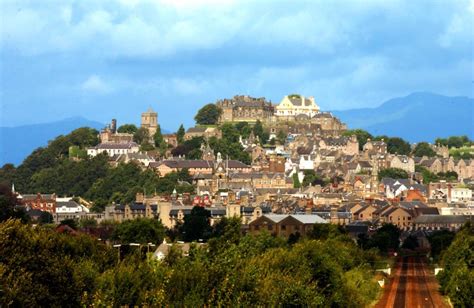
(114, 59)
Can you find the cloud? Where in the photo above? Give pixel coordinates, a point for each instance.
(95, 84)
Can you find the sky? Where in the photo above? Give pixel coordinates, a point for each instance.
(115, 59)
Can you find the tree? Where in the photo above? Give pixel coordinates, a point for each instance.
(397, 145)
(311, 178)
(423, 149)
(8, 202)
(142, 231)
(141, 135)
(244, 129)
(180, 134)
(127, 128)
(196, 225)
(457, 278)
(208, 115)
(362, 136)
(158, 137)
(281, 137)
(46, 218)
(440, 241)
(386, 238)
(394, 173)
(296, 181)
(260, 132)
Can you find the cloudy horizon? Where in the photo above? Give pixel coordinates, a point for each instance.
(114, 59)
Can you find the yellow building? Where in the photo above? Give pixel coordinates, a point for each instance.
(293, 105)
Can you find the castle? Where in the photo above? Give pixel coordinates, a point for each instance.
(242, 108)
(295, 114)
(150, 121)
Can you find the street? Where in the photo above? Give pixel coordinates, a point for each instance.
(412, 285)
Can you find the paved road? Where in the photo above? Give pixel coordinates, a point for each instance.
(412, 285)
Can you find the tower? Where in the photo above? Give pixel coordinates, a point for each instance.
(150, 121)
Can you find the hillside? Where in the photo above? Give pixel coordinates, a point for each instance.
(16, 143)
(416, 117)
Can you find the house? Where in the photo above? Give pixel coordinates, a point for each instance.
(364, 213)
(200, 166)
(42, 202)
(403, 162)
(440, 222)
(202, 131)
(293, 105)
(460, 194)
(399, 216)
(285, 225)
(113, 149)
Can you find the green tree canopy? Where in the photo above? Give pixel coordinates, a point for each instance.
(127, 128)
(423, 149)
(207, 115)
(141, 136)
(394, 173)
(180, 134)
(362, 136)
(396, 145)
(196, 225)
(142, 231)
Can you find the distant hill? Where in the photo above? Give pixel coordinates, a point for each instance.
(417, 117)
(16, 143)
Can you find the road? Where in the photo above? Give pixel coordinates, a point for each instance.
(412, 285)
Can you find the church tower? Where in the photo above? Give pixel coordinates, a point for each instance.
(150, 121)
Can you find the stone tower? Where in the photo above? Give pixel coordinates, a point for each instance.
(150, 121)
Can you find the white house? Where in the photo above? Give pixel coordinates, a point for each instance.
(460, 194)
(293, 105)
(113, 149)
(68, 206)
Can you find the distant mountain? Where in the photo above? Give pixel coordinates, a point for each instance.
(16, 143)
(417, 117)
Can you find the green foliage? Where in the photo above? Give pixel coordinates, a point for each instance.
(428, 176)
(362, 136)
(127, 128)
(180, 134)
(142, 231)
(77, 152)
(439, 242)
(227, 148)
(260, 132)
(394, 173)
(325, 231)
(8, 201)
(42, 268)
(454, 141)
(208, 115)
(423, 149)
(196, 225)
(141, 135)
(281, 137)
(411, 242)
(457, 278)
(311, 178)
(189, 148)
(397, 145)
(158, 137)
(296, 181)
(244, 129)
(385, 239)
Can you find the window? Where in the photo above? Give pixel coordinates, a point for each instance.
(270, 227)
(283, 227)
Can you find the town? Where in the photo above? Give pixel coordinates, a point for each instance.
(292, 159)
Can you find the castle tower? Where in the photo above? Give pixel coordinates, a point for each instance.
(150, 121)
